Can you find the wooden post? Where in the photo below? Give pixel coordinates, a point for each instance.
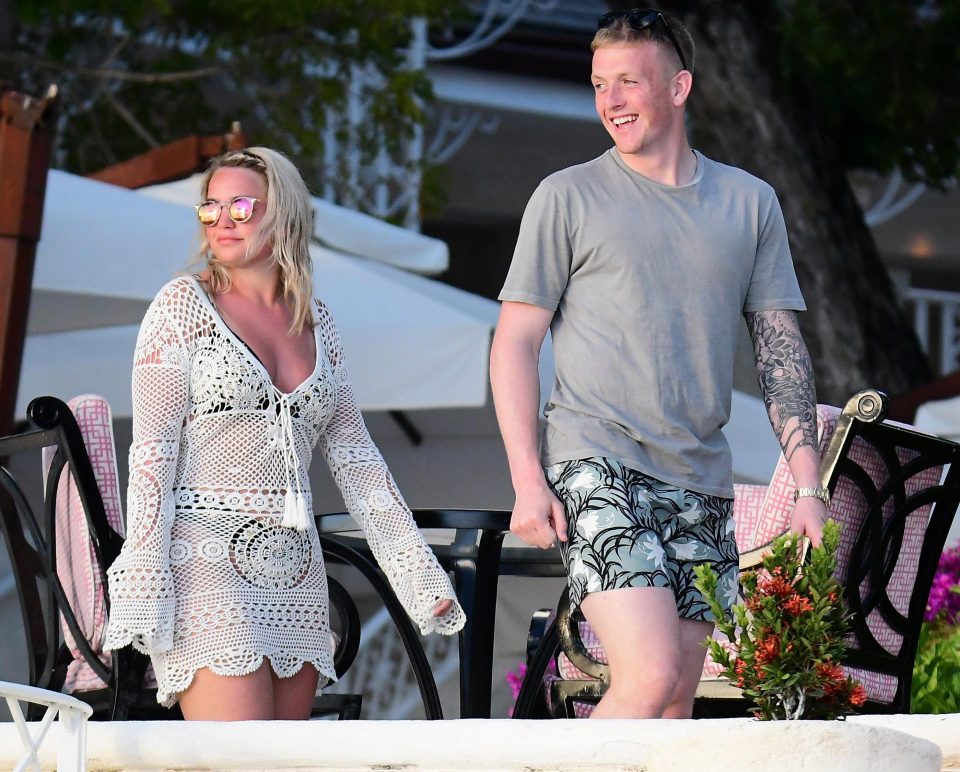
(26, 138)
(172, 161)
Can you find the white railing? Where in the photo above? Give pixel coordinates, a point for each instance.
(73, 715)
(387, 184)
(936, 319)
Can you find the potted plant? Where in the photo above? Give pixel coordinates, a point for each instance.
(786, 639)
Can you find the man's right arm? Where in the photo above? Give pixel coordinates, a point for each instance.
(538, 517)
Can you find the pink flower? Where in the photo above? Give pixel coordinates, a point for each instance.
(944, 599)
(515, 679)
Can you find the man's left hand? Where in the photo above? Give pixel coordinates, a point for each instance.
(809, 515)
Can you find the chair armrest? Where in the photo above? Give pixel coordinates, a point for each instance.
(753, 559)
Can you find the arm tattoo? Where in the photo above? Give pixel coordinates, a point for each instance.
(786, 378)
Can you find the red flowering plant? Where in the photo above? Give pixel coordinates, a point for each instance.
(787, 636)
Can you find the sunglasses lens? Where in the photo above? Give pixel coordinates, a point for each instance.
(608, 18)
(644, 18)
(241, 209)
(638, 18)
(208, 212)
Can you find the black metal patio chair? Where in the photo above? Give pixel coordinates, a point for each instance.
(29, 518)
(894, 491)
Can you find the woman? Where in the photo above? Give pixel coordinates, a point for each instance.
(238, 373)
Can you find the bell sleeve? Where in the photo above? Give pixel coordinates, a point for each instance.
(372, 498)
(140, 581)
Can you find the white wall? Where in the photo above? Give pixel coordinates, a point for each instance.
(891, 744)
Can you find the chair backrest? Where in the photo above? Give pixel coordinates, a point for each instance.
(895, 492)
(348, 552)
(78, 563)
(29, 520)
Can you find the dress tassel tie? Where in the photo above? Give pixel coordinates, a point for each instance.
(296, 511)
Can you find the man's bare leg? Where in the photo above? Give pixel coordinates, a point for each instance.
(640, 632)
(692, 655)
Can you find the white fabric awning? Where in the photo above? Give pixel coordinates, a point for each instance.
(105, 251)
(342, 229)
(940, 417)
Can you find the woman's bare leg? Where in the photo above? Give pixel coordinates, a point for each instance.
(212, 697)
(293, 696)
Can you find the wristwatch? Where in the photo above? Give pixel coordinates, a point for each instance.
(818, 493)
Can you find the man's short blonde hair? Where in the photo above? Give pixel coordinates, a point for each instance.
(621, 31)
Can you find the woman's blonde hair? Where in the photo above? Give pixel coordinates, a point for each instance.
(286, 226)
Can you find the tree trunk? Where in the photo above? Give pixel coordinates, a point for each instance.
(854, 326)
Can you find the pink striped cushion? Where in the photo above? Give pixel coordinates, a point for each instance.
(748, 501)
(76, 558)
(847, 508)
(77, 564)
(778, 504)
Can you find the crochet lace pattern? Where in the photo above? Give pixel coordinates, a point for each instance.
(222, 566)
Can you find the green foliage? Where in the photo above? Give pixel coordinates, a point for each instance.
(787, 637)
(882, 79)
(141, 73)
(936, 671)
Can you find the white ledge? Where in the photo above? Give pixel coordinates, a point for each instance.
(942, 730)
(866, 744)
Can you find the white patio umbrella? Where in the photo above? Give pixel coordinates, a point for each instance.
(104, 252)
(344, 230)
(412, 342)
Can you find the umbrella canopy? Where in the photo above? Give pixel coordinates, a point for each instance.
(341, 229)
(412, 343)
(105, 251)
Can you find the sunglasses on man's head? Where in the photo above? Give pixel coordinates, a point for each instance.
(641, 19)
(240, 209)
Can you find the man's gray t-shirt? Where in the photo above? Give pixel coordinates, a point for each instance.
(648, 283)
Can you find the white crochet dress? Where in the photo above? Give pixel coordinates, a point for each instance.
(209, 575)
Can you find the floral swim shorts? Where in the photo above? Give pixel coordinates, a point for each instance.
(627, 529)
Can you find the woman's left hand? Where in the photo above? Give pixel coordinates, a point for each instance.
(442, 607)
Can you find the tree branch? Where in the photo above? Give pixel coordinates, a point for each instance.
(116, 51)
(131, 119)
(104, 73)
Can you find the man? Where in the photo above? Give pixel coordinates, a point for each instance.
(642, 262)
